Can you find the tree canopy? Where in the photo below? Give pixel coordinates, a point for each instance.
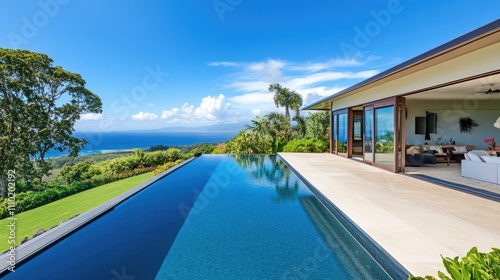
(39, 105)
(287, 98)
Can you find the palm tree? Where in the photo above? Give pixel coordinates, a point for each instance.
(279, 129)
(301, 127)
(284, 97)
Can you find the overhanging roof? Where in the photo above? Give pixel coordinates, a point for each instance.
(468, 42)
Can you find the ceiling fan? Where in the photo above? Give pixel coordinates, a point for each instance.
(489, 89)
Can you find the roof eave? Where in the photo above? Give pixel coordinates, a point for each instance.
(489, 28)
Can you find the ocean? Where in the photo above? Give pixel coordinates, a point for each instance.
(102, 142)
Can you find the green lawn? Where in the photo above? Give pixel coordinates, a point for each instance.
(52, 214)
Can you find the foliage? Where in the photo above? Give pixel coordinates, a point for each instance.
(166, 166)
(39, 104)
(60, 162)
(279, 130)
(202, 148)
(78, 172)
(219, 149)
(85, 175)
(300, 129)
(287, 98)
(318, 125)
(52, 214)
(249, 142)
(473, 266)
(306, 145)
(139, 159)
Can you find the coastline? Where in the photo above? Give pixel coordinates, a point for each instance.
(126, 142)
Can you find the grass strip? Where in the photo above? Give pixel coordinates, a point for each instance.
(49, 215)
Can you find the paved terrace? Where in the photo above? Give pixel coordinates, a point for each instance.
(413, 220)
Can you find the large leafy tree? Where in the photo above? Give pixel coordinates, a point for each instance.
(39, 105)
(284, 97)
(318, 125)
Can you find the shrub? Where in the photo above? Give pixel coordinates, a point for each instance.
(75, 172)
(306, 145)
(219, 149)
(473, 266)
(166, 166)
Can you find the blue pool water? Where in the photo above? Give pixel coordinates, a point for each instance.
(217, 217)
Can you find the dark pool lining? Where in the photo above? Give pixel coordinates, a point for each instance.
(393, 268)
(87, 220)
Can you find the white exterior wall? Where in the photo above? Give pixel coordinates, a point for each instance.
(477, 62)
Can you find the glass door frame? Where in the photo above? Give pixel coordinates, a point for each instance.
(372, 127)
(399, 131)
(334, 140)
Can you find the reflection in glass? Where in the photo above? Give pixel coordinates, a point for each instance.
(357, 122)
(384, 142)
(334, 133)
(342, 127)
(368, 155)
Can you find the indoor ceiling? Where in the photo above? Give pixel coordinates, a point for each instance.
(463, 90)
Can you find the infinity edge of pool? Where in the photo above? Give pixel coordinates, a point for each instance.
(34, 246)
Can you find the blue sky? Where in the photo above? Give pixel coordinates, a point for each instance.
(188, 63)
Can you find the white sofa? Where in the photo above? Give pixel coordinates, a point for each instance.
(480, 166)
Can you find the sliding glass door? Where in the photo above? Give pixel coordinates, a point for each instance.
(339, 132)
(384, 137)
(368, 134)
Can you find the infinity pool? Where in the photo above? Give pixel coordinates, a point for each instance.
(217, 217)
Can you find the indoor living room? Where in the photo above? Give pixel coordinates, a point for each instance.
(446, 125)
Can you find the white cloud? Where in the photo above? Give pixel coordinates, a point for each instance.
(318, 66)
(223, 63)
(169, 113)
(313, 80)
(91, 117)
(269, 71)
(253, 98)
(257, 112)
(141, 116)
(211, 109)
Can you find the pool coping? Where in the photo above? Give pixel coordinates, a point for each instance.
(36, 245)
(388, 263)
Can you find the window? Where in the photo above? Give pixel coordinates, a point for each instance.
(384, 141)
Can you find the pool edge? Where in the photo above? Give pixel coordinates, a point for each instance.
(36, 245)
(393, 268)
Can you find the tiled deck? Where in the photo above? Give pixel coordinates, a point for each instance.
(413, 220)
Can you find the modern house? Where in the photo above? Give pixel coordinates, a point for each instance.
(420, 101)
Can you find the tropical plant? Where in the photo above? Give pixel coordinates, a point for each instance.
(286, 98)
(306, 145)
(279, 130)
(248, 142)
(318, 125)
(166, 166)
(300, 129)
(474, 266)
